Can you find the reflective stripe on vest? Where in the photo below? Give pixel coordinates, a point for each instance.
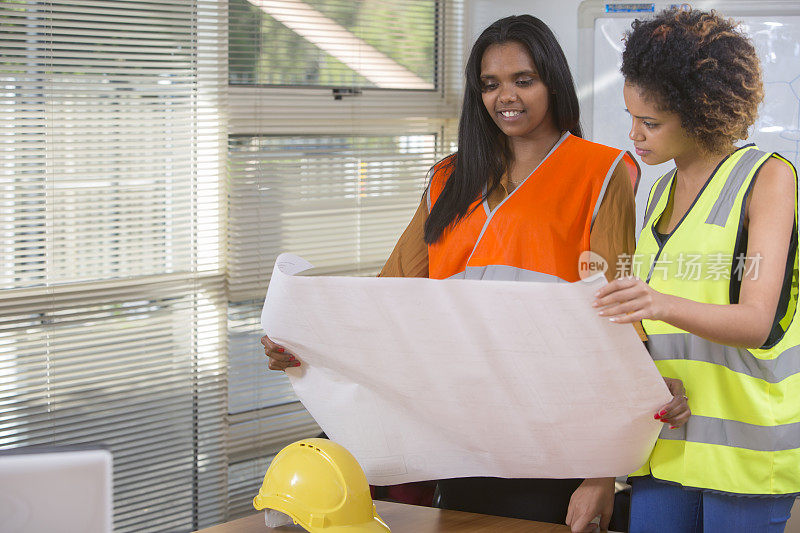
(538, 231)
(722, 432)
(669, 346)
(505, 273)
(744, 433)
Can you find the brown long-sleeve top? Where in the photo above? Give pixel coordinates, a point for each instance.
(611, 236)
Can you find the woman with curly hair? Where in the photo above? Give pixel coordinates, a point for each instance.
(718, 261)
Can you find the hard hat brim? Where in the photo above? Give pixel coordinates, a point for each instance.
(376, 525)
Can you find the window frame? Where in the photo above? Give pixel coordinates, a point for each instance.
(261, 109)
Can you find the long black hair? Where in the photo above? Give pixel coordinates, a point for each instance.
(483, 150)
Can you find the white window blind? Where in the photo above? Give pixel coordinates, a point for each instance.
(339, 201)
(112, 310)
(335, 181)
(128, 271)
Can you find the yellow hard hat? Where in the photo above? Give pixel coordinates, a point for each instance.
(321, 486)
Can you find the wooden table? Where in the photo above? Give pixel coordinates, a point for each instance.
(403, 518)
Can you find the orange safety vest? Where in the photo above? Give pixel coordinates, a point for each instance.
(537, 232)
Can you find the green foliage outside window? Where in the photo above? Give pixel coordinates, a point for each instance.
(263, 51)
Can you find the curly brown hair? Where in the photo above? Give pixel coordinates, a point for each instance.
(698, 65)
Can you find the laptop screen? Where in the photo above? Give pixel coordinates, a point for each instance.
(56, 490)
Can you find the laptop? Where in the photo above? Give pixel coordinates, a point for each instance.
(47, 490)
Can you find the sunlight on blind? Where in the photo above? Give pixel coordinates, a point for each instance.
(111, 316)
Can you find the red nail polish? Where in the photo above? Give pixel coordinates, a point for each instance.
(663, 412)
(297, 363)
(279, 350)
(656, 416)
(673, 427)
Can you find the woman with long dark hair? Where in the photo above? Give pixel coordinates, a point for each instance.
(486, 139)
(522, 199)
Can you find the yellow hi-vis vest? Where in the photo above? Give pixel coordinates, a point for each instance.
(744, 433)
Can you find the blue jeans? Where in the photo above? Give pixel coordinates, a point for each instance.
(665, 508)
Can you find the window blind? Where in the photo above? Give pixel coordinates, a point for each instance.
(338, 201)
(335, 181)
(113, 308)
(119, 304)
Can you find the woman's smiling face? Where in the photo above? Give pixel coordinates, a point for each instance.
(513, 94)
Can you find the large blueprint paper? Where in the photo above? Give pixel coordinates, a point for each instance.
(431, 379)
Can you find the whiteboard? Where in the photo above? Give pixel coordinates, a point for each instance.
(777, 40)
